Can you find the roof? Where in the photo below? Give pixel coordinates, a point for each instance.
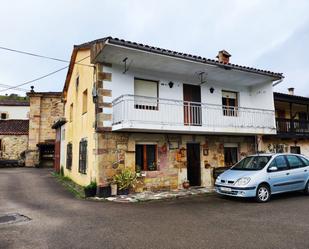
(290, 98)
(57, 94)
(14, 127)
(14, 102)
(58, 123)
(162, 51)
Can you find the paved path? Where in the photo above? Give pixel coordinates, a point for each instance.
(61, 221)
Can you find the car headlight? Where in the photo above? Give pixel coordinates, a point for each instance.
(218, 179)
(242, 181)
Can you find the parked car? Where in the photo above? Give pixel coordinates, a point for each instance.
(263, 175)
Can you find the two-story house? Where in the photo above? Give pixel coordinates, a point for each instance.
(292, 125)
(171, 116)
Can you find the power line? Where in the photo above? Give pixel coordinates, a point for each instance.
(40, 56)
(41, 77)
(17, 88)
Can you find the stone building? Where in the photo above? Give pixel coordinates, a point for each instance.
(167, 115)
(45, 109)
(14, 107)
(13, 139)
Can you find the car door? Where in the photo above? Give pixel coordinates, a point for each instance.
(279, 179)
(298, 173)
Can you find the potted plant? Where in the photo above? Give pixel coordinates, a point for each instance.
(90, 189)
(186, 184)
(138, 170)
(124, 180)
(152, 166)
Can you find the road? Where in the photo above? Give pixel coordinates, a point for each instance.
(58, 220)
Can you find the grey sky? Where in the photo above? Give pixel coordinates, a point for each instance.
(271, 35)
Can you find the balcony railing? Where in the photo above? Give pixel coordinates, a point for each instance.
(138, 112)
(292, 126)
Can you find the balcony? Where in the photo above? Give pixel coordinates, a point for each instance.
(292, 127)
(138, 113)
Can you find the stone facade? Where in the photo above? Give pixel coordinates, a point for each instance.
(45, 109)
(12, 146)
(117, 150)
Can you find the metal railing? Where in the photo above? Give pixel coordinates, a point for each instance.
(285, 125)
(148, 110)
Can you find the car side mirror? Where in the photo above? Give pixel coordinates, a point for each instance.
(272, 169)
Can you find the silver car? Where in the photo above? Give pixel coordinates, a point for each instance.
(262, 175)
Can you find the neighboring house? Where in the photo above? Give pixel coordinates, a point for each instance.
(45, 109)
(173, 116)
(292, 113)
(14, 108)
(13, 139)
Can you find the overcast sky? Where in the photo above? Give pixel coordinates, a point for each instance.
(270, 34)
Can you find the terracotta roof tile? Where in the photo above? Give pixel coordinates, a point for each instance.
(14, 127)
(13, 102)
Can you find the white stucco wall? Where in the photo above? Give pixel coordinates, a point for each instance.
(257, 96)
(16, 112)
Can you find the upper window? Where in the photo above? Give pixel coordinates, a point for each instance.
(77, 82)
(146, 94)
(229, 103)
(82, 156)
(4, 115)
(85, 100)
(294, 162)
(71, 112)
(146, 157)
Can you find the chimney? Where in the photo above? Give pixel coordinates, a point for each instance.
(224, 56)
(291, 90)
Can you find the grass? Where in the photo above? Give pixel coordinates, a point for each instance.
(75, 189)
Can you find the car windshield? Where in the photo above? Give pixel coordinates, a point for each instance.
(252, 163)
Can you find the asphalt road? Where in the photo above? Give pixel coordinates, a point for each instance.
(58, 220)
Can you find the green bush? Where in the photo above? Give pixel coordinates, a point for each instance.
(92, 185)
(125, 179)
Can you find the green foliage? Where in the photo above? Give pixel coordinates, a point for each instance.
(125, 179)
(92, 185)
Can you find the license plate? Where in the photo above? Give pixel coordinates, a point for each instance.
(226, 189)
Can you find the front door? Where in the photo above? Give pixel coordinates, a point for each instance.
(192, 105)
(194, 164)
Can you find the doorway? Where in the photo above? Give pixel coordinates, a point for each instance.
(193, 164)
(192, 105)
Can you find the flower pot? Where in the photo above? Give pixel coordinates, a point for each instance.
(113, 189)
(186, 185)
(104, 191)
(90, 192)
(123, 191)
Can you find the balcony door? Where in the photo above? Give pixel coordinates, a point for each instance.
(192, 105)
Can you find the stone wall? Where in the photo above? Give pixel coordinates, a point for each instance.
(12, 146)
(45, 109)
(117, 150)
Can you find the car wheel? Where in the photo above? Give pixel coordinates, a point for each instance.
(262, 193)
(306, 190)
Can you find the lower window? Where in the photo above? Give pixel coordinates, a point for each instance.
(146, 157)
(69, 156)
(230, 156)
(82, 156)
(295, 149)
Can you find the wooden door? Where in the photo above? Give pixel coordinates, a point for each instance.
(57, 150)
(193, 164)
(192, 105)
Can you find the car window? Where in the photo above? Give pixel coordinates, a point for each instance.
(281, 163)
(294, 162)
(305, 161)
(252, 163)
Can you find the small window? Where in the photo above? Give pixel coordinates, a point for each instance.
(281, 163)
(77, 83)
(146, 157)
(71, 112)
(295, 149)
(305, 161)
(85, 101)
(230, 156)
(229, 103)
(294, 162)
(69, 156)
(146, 94)
(82, 156)
(4, 115)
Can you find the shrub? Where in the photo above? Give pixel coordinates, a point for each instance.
(125, 179)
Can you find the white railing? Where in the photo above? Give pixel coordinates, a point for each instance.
(132, 109)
